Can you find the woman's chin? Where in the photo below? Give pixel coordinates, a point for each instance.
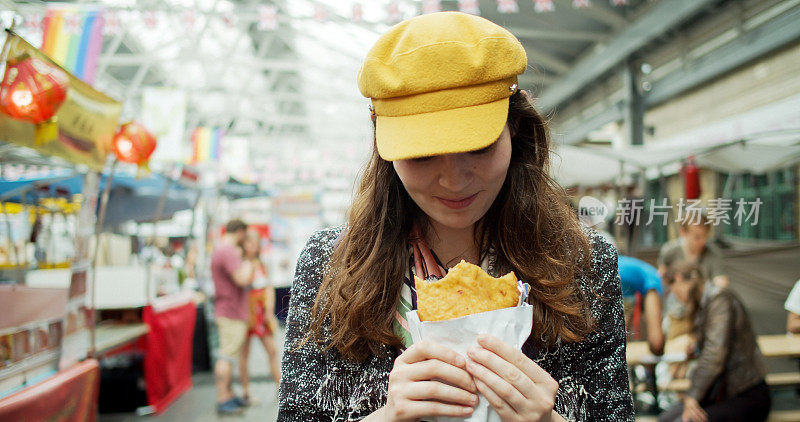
(456, 222)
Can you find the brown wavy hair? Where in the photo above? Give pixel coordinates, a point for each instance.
(531, 226)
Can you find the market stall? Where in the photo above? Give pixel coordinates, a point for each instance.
(53, 345)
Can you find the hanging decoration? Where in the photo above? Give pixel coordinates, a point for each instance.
(541, 6)
(32, 22)
(189, 20)
(33, 91)
(111, 25)
(133, 144)
(469, 6)
(616, 3)
(73, 38)
(431, 6)
(358, 13)
(691, 179)
(393, 11)
(581, 4)
(267, 18)
(150, 19)
(507, 6)
(230, 19)
(320, 14)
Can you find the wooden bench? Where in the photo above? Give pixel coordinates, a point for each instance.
(772, 346)
(774, 416)
(783, 379)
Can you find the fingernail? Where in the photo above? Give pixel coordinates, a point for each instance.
(472, 351)
(483, 337)
(474, 399)
(467, 410)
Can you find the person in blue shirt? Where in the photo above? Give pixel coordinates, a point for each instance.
(639, 276)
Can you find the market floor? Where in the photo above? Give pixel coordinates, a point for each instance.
(198, 404)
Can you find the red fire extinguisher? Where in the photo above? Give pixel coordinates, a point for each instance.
(691, 179)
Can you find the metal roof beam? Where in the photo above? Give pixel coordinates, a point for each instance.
(761, 40)
(559, 34)
(664, 16)
(539, 57)
(601, 14)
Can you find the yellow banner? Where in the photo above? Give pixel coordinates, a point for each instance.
(86, 121)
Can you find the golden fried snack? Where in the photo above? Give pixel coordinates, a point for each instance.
(465, 290)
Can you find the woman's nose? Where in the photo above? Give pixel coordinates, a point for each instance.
(455, 172)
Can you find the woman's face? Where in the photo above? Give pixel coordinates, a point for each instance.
(250, 246)
(456, 190)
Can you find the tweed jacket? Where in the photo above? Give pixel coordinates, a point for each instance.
(323, 386)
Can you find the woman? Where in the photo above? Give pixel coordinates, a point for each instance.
(728, 381)
(459, 170)
(262, 315)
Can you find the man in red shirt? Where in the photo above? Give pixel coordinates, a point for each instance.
(232, 277)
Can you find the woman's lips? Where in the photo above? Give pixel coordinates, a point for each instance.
(458, 203)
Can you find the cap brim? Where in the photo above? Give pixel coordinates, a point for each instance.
(441, 132)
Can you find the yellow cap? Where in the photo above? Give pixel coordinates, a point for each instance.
(440, 84)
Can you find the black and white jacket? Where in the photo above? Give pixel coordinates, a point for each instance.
(323, 386)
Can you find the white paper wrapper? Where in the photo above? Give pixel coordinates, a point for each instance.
(512, 325)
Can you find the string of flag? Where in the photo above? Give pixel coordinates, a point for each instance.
(109, 21)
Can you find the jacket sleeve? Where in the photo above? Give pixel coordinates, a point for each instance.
(714, 348)
(603, 365)
(303, 363)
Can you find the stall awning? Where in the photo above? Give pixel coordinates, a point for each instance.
(132, 198)
(758, 153)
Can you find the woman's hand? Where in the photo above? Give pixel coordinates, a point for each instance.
(692, 412)
(516, 387)
(429, 380)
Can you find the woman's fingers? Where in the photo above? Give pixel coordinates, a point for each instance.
(414, 410)
(497, 403)
(517, 358)
(502, 388)
(426, 350)
(435, 369)
(439, 391)
(504, 369)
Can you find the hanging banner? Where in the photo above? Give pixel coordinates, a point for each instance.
(73, 38)
(164, 115)
(206, 144)
(86, 120)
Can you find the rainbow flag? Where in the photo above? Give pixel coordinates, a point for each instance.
(73, 38)
(206, 144)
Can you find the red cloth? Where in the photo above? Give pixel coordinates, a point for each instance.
(168, 353)
(69, 395)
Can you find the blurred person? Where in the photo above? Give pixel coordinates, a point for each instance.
(637, 276)
(232, 277)
(262, 323)
(728, 381)
(691, 245)
(792, 306)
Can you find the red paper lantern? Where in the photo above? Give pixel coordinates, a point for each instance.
(32, 90)
(133, 144)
